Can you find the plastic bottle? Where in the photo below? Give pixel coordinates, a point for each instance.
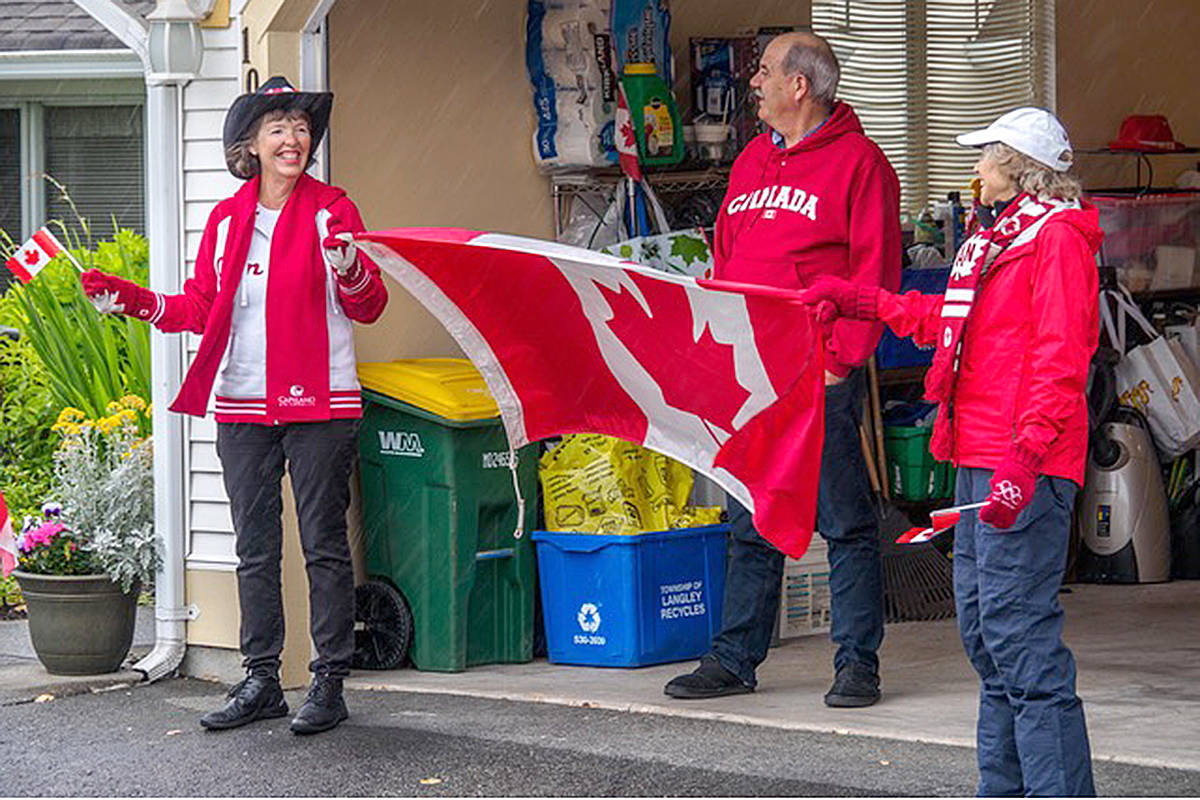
(655, 116)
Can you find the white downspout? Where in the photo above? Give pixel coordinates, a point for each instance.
(168, 42)
(163, 188)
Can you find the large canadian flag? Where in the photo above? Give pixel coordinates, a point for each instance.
(35, 254)
(727, 379)
(8, 542)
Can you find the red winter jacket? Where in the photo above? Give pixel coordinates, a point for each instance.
(298, 283)
(1027, 344)
(828, 205)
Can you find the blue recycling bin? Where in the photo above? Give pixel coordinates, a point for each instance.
(633, 600)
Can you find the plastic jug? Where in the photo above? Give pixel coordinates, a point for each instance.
(655, 117)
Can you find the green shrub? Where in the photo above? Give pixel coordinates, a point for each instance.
(90, 359)
(27, 444)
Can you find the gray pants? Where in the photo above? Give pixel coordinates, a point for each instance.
(318, 457)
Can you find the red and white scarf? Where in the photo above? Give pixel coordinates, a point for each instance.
(1018, 225)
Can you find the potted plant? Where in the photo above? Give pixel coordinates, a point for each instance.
(82, 566)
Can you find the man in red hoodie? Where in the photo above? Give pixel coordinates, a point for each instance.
(811, 197)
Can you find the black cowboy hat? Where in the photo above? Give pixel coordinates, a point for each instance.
(277, 95)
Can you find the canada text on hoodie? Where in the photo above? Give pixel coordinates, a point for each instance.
(828, 205)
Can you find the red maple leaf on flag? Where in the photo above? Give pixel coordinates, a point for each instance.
(707, 385)
(31, 257)
(628, 136)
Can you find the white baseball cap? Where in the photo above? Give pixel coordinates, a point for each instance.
(1033, 131)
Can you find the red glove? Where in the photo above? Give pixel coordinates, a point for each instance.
(1012, 487)
(113, 295)
(341, 254)
(836, 297)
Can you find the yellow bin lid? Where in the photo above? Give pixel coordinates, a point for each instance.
(450, 387)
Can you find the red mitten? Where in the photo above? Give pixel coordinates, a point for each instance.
(1012, 487)
(836, 297)
(113, 295)
(340, 253)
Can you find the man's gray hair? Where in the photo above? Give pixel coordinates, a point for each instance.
(816, 61)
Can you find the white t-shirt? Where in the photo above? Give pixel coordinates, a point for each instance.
(244, 370)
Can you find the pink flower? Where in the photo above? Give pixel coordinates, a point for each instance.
(41, 535)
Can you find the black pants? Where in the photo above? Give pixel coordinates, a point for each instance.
(319, 457)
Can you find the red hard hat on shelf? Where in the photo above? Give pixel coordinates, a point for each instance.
(1146, 133)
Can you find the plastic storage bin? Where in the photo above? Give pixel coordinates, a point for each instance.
(894, 352)
(629, 601)
(805, 605)
(1151, 239)
(439, 512)
(913, 473)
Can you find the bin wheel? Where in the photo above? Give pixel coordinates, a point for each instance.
(385, 634)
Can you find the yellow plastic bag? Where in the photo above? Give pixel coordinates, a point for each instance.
(599, 484)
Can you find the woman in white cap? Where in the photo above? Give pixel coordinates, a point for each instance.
(1015, 332)
(276, 285)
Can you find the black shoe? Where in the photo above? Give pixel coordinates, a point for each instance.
(257, 697)
(709, 679)
(855, 686)
(324, 707)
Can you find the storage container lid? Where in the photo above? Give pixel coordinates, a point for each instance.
(449, 387)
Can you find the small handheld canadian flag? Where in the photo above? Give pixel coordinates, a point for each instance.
(35, 254)
(8, 542)
(941, 521)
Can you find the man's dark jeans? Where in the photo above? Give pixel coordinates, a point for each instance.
(318, 457)
(846, 518)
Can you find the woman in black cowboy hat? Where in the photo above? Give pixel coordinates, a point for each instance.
(277, 283)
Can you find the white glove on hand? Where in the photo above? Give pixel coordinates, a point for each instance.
(340, 253)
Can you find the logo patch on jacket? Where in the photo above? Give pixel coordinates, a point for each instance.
(296, 397)
(777, 197)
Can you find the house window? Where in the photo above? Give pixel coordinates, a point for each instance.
(95, 152)
(919, 72)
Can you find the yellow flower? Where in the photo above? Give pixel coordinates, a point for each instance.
(133, 401)
(112, 408)
(71, 414)
(65, 428)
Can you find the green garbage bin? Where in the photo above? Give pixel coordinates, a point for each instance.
(439, 511)
(915, 475)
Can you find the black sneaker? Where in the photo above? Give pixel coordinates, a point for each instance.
(855, 686)
(323, 708)
(709, 679)
(257, 697)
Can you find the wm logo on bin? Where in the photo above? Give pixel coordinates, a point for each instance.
(400, 443)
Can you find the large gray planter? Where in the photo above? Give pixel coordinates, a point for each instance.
(79, 624)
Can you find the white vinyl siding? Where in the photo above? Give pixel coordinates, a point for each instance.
(206, 181)
(919, 72)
